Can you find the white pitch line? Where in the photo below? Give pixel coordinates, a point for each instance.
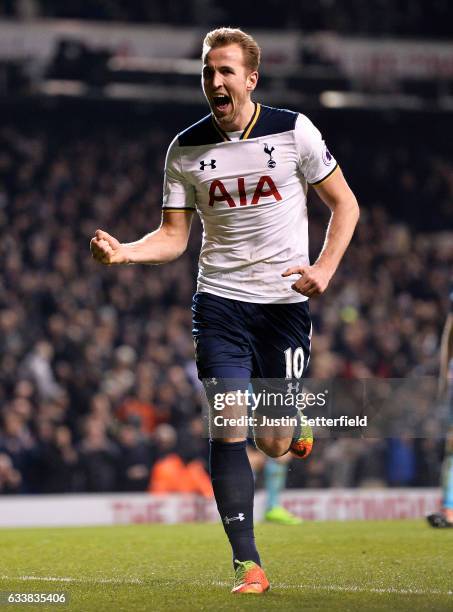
(308, 587)
(77, 580)
(359, 589)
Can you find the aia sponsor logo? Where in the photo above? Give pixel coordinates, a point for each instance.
(264, 189)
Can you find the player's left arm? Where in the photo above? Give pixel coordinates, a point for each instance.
(337, 195)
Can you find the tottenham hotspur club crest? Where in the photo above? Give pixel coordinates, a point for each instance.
(271, 163)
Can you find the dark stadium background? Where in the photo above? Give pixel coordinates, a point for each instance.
(96, 364)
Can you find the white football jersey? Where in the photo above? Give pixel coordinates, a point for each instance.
(251, 195)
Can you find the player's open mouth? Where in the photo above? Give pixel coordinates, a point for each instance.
(221, 102)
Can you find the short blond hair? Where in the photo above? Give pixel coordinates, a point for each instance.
(221, 37)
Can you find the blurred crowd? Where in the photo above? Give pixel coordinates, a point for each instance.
(412, 18)
(98, 385)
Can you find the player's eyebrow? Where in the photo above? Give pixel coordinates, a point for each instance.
(209, 69)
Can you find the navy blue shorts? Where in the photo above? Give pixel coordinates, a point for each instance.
(243, 340)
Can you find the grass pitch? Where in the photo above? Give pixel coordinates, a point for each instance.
(381, 565)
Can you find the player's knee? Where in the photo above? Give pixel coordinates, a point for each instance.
(273, 447)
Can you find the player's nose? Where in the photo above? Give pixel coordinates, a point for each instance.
(217, 80)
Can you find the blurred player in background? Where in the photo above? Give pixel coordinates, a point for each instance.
(245, 168)
(275, 472)
(444, 518)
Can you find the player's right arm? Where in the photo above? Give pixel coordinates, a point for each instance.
(163, 245)
(169, 241)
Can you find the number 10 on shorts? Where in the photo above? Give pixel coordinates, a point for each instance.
(295, 362)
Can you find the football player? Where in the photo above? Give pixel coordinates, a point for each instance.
(444, 518)
(245, 169)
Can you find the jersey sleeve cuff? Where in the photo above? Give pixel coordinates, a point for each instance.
(178, 208)
(325, 177)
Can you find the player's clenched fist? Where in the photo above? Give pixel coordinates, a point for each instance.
(107, 250)
(313, 279)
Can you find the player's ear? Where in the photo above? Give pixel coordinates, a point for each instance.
(252, 80)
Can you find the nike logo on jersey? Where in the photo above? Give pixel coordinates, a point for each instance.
(264, 189)
(211, 164)
(239, 517)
